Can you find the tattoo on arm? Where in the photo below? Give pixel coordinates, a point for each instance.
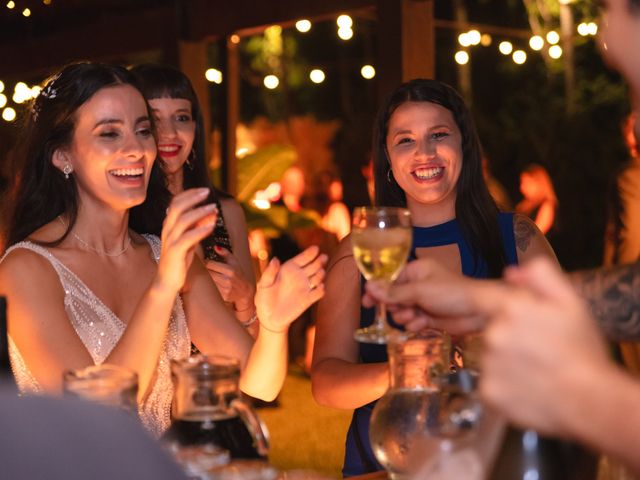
(614, 297)
(523, 231)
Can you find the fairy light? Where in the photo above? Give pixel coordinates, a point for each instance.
(368, 72)
(592, 28)
(519, 57)
(303, 26)
(536, 42)
(463, 39)
(345, 33)
(553, 37)
(555, 51)
(213, 75)
(26, 12)
(461, 57)
(505, 47)
(344, 21)
(316, 75)
(271, 82)
(235, 38)
(485, 40)
(9, 114)
(3, 100)
(474, 37)
(11, 4)
(583, 29)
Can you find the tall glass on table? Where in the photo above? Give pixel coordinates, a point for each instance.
(381, 241)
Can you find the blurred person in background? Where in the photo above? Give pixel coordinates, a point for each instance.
(540, 202)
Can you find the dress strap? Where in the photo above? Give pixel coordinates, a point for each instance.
(43, 252)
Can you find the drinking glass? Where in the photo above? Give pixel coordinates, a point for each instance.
(109, 385)
(381, 241)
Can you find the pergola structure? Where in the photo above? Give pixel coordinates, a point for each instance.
(181, 29)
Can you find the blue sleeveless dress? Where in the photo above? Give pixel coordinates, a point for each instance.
(359, 458)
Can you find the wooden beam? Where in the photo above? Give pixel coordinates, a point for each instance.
(406, 46)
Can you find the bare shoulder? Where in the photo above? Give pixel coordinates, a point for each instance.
(530, 241)
(25, 272)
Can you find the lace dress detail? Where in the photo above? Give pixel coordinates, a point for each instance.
(100, 330)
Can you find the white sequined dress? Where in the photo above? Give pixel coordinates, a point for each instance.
(100, 330)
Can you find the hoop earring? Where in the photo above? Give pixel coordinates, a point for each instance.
(67, 170)
(389, 173)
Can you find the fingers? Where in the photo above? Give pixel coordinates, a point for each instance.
(543, 277)
(315, 266)
(184, 201)
(306, 257)
(219, 267)
(270, 274)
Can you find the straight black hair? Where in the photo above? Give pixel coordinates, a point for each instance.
(475, 209)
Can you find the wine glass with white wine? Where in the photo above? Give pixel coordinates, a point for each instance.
(381, 241)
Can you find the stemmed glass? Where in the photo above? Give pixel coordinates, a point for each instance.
(381, 241)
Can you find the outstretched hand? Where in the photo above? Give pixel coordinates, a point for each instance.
(285, 291)
(542, 351)
(428, 295)
(183, 228)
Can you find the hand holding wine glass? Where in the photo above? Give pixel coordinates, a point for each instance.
(381, 241)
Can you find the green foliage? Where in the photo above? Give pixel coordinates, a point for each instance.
(257, 170)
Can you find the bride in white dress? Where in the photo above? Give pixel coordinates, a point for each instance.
(84, 286)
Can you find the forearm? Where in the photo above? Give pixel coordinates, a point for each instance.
(141, 343)
(613, 296)
(266, 366)
(340, 384)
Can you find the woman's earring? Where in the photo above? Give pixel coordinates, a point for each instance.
(191, 159)
(67, 170)
(389, 173)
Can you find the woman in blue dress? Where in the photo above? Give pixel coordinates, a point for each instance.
(427, 158)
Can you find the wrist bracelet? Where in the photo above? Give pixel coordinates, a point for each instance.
(251, 321)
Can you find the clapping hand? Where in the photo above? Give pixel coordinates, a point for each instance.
(233, 285)
(286, 290)
(184, 227)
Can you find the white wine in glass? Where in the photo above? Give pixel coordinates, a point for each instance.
(381, 241)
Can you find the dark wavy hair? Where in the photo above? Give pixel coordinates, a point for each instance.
(162, 81)
(41, 192)
(476, 211)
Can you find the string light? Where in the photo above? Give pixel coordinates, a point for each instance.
(485, 40)
(26, 12)
(555, 51)
(1, 86)
(519, 57)
(9, 114)
(11, 4)
(461, 57)
(271, 82)
(592, 28)
(474, 37)
(235, 38)
(505, 47)
(345, 33)
(463, 39)
(368, 72)
(316, 75)
(344, 21)
(3, 100)
(213, 75)
(303, 26)
(553, 37)
(536, 42)
(583, 29)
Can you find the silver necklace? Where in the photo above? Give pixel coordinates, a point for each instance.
(97, 250)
